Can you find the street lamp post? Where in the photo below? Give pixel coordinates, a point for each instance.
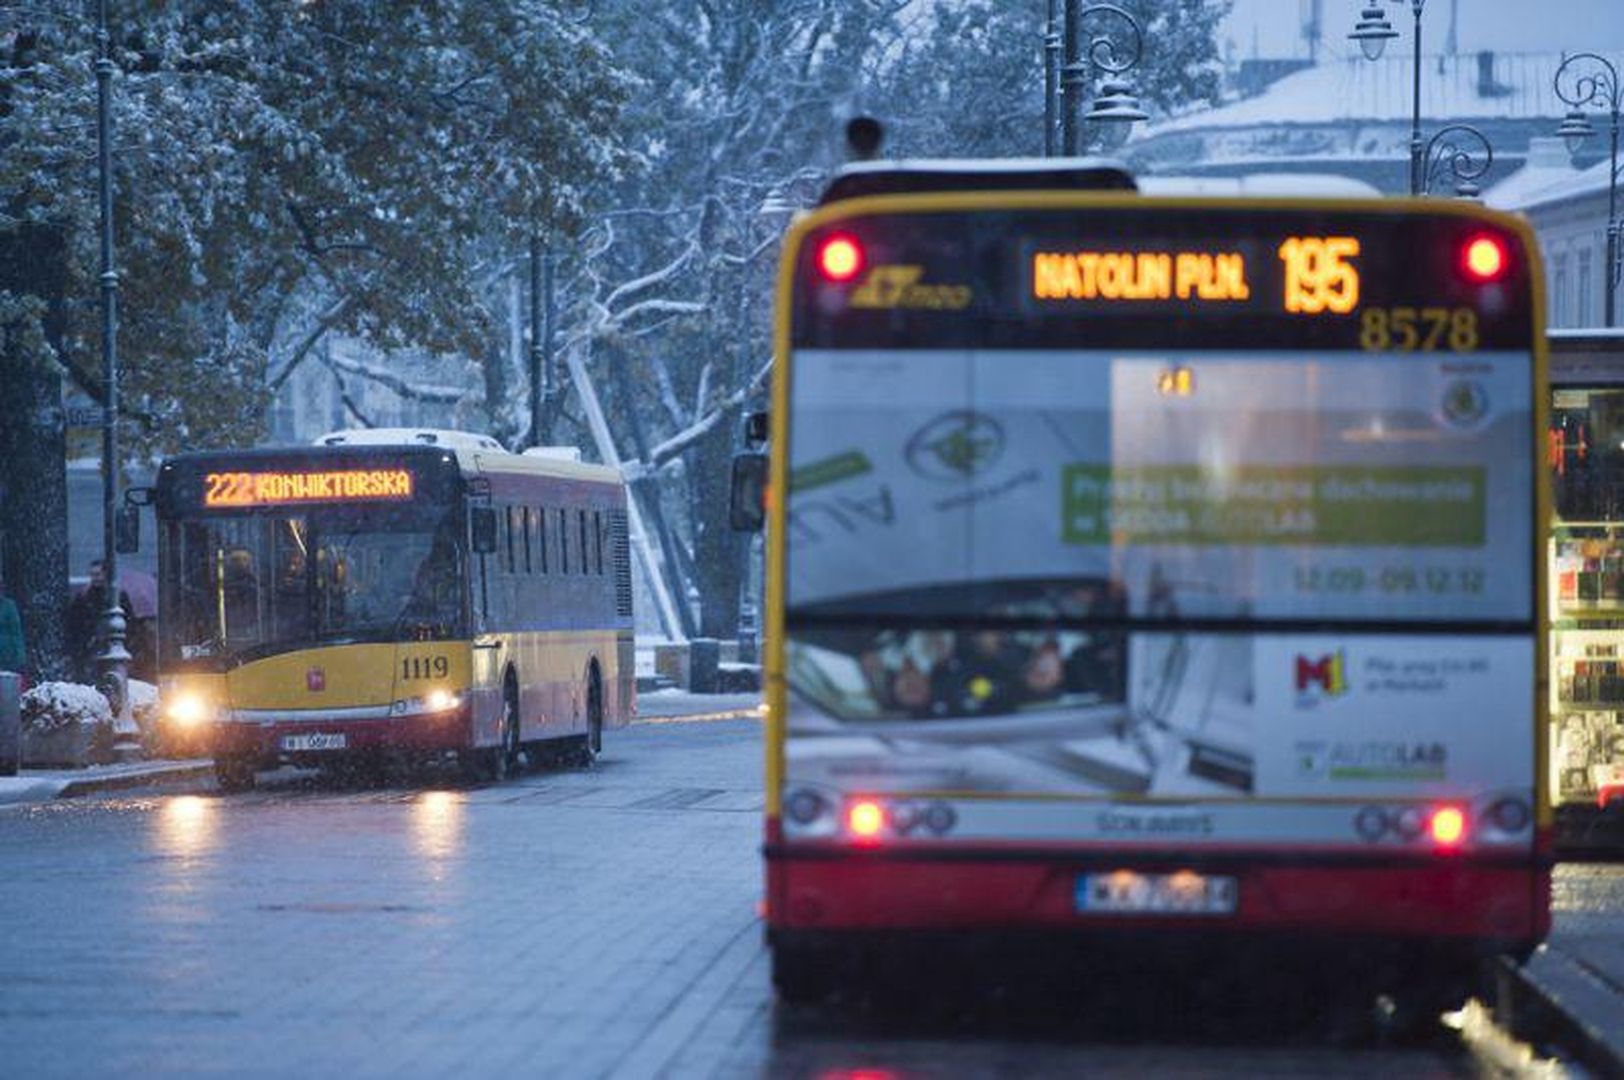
(1461, 149)
(1115, 102)
(114, 659)
(1598, 86)
(1372, 32)
(1051, 75)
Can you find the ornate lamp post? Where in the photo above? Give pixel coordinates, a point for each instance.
(1116, 103)
(1372, 32)
(114, 659)
(1462, 150)
(1595, 81)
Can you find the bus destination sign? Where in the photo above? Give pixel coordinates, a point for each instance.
(1317, 275)
(285, 487)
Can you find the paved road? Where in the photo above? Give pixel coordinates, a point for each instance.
(579, 923)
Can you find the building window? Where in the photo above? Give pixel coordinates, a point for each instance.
(1559, 291)
(1585, 316)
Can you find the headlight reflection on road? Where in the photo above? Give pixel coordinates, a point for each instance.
(437, 824)
(186, 826)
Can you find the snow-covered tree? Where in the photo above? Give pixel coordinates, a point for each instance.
(288, 170)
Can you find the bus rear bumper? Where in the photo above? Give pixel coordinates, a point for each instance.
(292, 739)
(1501, 904)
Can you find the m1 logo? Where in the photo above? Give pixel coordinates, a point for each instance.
(1321, 678)
(315, 680)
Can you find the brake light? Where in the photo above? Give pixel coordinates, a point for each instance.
(1484, 258)
(840, 258)
(865, 819)
(1448, 826)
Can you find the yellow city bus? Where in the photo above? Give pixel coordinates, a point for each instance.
(1158, 569)
(418, 592)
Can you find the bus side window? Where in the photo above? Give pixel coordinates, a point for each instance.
(512, 564)
(586, 550)
(529, 566)
(563, 541)
(597, 534)
(541, 535)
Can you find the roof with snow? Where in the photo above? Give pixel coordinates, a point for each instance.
(1548, 187)
(1518, 86)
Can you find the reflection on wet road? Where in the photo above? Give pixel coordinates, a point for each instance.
(569, 922)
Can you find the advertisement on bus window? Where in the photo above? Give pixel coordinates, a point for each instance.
(1216, 574)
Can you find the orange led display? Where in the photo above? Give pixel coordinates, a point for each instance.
(238, 489)
(1140, 275)
(1319, 275)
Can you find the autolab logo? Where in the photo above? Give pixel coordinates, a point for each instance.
(1320, 679)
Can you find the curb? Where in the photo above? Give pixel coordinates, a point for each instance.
(1554, 999)
(156, 777)
(698, 717)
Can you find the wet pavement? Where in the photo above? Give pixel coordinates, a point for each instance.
(596, 922)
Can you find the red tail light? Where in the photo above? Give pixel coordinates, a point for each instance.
(865, 818)
(840, 258)
(1447, 826)
(1484, 258)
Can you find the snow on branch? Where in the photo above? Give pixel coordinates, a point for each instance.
(324, 323)
(651, 279)
(664, 453)
(657, 307)
(444, 395)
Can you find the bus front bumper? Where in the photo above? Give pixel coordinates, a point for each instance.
(313, 737)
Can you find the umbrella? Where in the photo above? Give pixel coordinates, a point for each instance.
(138, 586)
(142, 589)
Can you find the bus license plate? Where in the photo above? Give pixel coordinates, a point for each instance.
(315, 741)
(1127, 892)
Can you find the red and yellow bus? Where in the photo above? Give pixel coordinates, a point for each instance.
(418, 592)
(1154, 566)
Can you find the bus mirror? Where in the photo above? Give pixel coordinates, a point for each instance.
(484, 528)
(747, 495)
(127, 530)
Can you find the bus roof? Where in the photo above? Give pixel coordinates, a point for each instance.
(475, 454)
(907, 176)
(1286, 185)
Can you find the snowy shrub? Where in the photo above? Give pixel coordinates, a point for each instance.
(53, 705)
(143, 704)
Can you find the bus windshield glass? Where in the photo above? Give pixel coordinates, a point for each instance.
(245, 586)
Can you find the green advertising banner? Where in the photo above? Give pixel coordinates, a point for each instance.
(1332, 505)
(830, 470)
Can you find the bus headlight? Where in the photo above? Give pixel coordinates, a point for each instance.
(435, 701)
(188, 710)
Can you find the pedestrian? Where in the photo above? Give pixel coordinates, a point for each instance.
(83, 624)
(13, 646)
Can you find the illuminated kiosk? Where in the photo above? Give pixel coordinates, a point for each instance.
(1585, 452)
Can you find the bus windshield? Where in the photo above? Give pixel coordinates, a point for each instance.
(243, 587)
